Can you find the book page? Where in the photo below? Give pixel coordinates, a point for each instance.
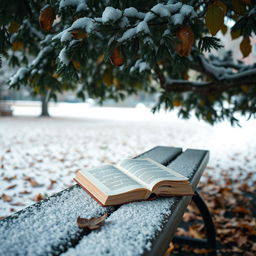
(148, 172)
(110, 180)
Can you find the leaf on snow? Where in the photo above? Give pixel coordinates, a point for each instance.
(32, 181)
(91, 223)
(10, 178)
(6, 198)
(51, 184)
(38, 197)
(24, 192)
(11, 187)
(17, 204)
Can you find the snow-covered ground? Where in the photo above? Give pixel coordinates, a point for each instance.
(51, 150)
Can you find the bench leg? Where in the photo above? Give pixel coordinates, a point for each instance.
(210, 241)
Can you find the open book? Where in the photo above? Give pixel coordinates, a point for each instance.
(132, 180)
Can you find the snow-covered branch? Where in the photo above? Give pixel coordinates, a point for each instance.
(223, 79)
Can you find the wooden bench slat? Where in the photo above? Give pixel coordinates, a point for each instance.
(190, 164)
(49, 228)
(163, 155)
(136, 228)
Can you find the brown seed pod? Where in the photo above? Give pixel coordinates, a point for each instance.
(46, 17)
(116, 58)
(186, 36)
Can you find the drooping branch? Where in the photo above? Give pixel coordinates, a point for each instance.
(221, 79)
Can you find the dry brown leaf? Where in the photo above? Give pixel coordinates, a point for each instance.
(51, 184)
(236, 249)
(170, 249)
(241, 209)
(3, 217)
(202, 251)
(32, 181)
(91, 223)
(6, 198)
(25, 192)
(188, 216)
(195, 231)
(11, 187)
(249, 254)
(46, 17)
(10, 178)
(254, 247)
(116, 58)
(242, 240)
(186, 36)
(38, 197)
(17, 204)
(181, 232)
(79, 34)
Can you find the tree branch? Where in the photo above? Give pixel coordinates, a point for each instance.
(221, 79)
(160, 75)
(213, 87)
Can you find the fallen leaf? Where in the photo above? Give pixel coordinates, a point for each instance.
(188, 216)
(25, 192)
(236, 249)
(195, 231)
(249, 254)
(6, 198)
(170, 249)
(241, 240)
(240, 209)
(10, 178)
(202, 251)
(32, 181)
(91, 223)
(17, 204)
(51, 184)
(181, 232)
(11, 187)
(38, 197)
(3, 217)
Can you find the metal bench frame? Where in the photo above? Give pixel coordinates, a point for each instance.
(210, 241)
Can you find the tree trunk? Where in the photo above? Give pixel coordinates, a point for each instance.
(44, 104)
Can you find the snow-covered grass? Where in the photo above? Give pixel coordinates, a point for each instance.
(79, 136)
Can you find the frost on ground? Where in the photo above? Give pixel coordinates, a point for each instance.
(39, 157)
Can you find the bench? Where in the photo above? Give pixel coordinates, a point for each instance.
(140, 228)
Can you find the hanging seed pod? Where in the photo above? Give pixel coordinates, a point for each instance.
(117, 58)
(46, 18)
(186, 36)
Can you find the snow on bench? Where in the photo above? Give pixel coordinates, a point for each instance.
(49, 227)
